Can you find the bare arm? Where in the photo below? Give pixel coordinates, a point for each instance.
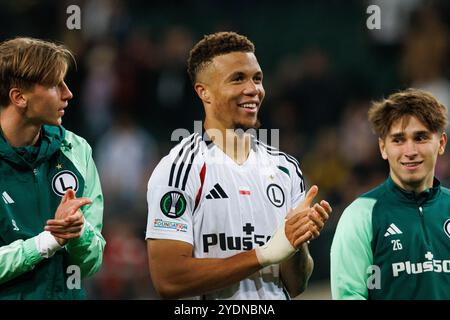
(176, 274)
(296, 271)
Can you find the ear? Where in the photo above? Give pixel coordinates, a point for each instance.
(17, 98)
(203, 92)
(442, 143)
(382, 145)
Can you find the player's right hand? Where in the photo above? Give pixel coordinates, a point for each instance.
(70, 204)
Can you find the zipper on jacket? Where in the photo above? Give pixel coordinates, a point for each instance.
(38, 195)
(35, 173)
(424, 228)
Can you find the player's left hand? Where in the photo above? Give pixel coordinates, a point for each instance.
(318, 214)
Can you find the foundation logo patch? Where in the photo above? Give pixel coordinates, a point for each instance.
(173, 204)
(175, 226)
(64, 180)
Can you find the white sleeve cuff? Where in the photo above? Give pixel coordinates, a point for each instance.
(46, 244)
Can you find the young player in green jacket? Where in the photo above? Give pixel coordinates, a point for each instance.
(394, 241)
(52, 205)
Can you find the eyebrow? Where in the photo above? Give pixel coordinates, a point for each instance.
(241, 73)
(421, 132)
(415, 133)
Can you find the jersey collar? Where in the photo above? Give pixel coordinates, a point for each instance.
(209, 143)
(418, 198)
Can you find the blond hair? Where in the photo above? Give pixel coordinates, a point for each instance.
(25, 62)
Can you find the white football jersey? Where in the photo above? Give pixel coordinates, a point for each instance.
(199, 195)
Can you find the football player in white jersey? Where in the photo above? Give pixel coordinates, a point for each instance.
(228, 216)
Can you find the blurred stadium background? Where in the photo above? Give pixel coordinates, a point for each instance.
(322, 68)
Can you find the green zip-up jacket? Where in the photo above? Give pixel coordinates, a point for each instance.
(31, 189)
(393, 244)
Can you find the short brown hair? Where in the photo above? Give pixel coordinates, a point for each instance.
(213, 45)
(410, 102)
(25, 62)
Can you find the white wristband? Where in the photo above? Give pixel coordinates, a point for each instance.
(46, 244)
(276, 250)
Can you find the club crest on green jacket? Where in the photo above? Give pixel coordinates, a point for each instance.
(32, 183)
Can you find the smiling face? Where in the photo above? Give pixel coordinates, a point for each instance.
(411, 150)
(232, 91)
(45, 105)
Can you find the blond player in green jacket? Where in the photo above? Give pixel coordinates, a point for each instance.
(52, 205)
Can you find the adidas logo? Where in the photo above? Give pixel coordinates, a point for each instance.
(216, 193)
(392, 230)
(6, 197)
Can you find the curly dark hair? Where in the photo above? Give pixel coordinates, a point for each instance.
(213, 45)
(410, 102)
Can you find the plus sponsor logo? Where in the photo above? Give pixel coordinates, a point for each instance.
(247, 242)
(430, 265)
(164, 224)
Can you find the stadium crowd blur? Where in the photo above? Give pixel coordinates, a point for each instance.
(322, 67)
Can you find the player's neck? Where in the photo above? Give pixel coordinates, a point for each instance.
(236, 146)
(17, 131)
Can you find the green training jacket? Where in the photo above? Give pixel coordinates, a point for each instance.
(393, 244)
(31, 187)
